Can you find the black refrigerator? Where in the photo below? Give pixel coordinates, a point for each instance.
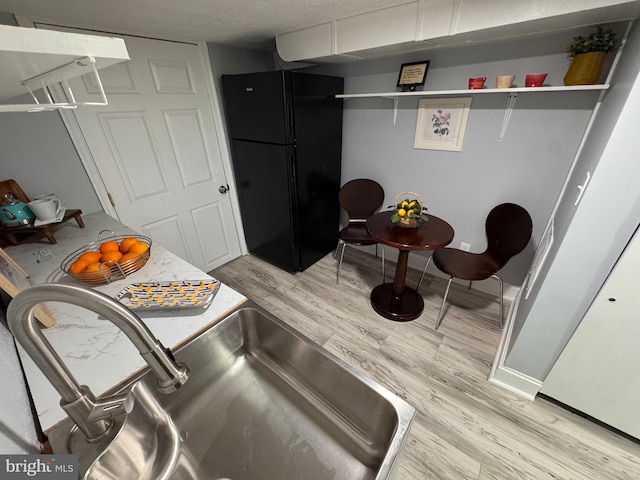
(286, 144)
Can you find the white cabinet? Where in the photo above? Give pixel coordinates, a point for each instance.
(423, 24)
(380, 28)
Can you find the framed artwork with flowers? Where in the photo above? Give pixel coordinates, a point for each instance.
(441, 123)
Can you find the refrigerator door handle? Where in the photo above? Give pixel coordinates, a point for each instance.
(290, 105)
(292, 163)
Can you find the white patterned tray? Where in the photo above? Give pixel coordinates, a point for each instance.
(175, 294)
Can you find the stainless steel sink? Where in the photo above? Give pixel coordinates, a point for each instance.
(265, 402)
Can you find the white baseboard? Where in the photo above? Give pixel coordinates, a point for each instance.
(516, 382)
(505, 377)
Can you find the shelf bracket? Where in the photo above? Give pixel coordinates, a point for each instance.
(61, 75)
(511, 102)
(396, 100)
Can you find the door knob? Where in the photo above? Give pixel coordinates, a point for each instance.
(223, 189)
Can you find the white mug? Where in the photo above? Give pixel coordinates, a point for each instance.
(45, 208)
(45, 196)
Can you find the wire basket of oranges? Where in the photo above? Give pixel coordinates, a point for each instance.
(108, 259)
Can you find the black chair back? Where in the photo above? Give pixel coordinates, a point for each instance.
(508, 228)
(361, 198)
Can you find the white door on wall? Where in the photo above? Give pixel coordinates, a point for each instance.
(157, 149)
(597, 372)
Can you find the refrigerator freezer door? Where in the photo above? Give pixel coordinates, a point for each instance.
(265, 178)
(258, 107)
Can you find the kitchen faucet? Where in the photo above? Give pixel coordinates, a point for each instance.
(93, 416)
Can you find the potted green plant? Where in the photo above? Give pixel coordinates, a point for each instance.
(408, 212)
(588, 55)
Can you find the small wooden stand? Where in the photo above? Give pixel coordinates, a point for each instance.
(11, 233)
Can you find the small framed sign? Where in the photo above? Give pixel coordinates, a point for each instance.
(412, 74)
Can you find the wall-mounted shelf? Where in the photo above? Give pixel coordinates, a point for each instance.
(428, 93)
(512, 94)
(32, 59)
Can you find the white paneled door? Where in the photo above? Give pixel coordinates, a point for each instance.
(157, 150)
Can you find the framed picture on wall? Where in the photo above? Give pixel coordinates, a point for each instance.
(441, 123)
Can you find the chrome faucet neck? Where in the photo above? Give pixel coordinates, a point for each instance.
(92, 415)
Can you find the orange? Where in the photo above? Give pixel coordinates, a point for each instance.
(90, 257)
(77, 266)
(126, 243)
(138, 248)
(128, 256)
(96, 267)
(109, 246)
(111, 256)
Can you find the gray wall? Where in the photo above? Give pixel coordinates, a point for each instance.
(7, 18)
(38, 154)
(226, 60)
(528, 167)
(588, 246)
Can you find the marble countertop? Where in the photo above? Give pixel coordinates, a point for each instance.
(97, 353)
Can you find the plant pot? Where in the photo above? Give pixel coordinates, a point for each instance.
(585, 69)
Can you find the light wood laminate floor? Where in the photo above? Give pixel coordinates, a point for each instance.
(466, 427)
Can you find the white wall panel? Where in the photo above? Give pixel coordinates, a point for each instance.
(170, 230)
(436, 19)
(189, 147)
(312, 42)
(473, 15)
(211, 239)
(377, 29)
(115, 79)
(138, 162)
(171, 76)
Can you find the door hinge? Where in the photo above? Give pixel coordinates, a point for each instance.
(113, 204)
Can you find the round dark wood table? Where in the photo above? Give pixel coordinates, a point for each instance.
(396, 301)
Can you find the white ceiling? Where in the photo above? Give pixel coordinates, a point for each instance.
(248, 23)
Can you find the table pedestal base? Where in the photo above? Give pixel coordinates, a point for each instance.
(400, 308)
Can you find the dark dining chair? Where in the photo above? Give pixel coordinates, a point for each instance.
(360, 198)
(508, 227)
